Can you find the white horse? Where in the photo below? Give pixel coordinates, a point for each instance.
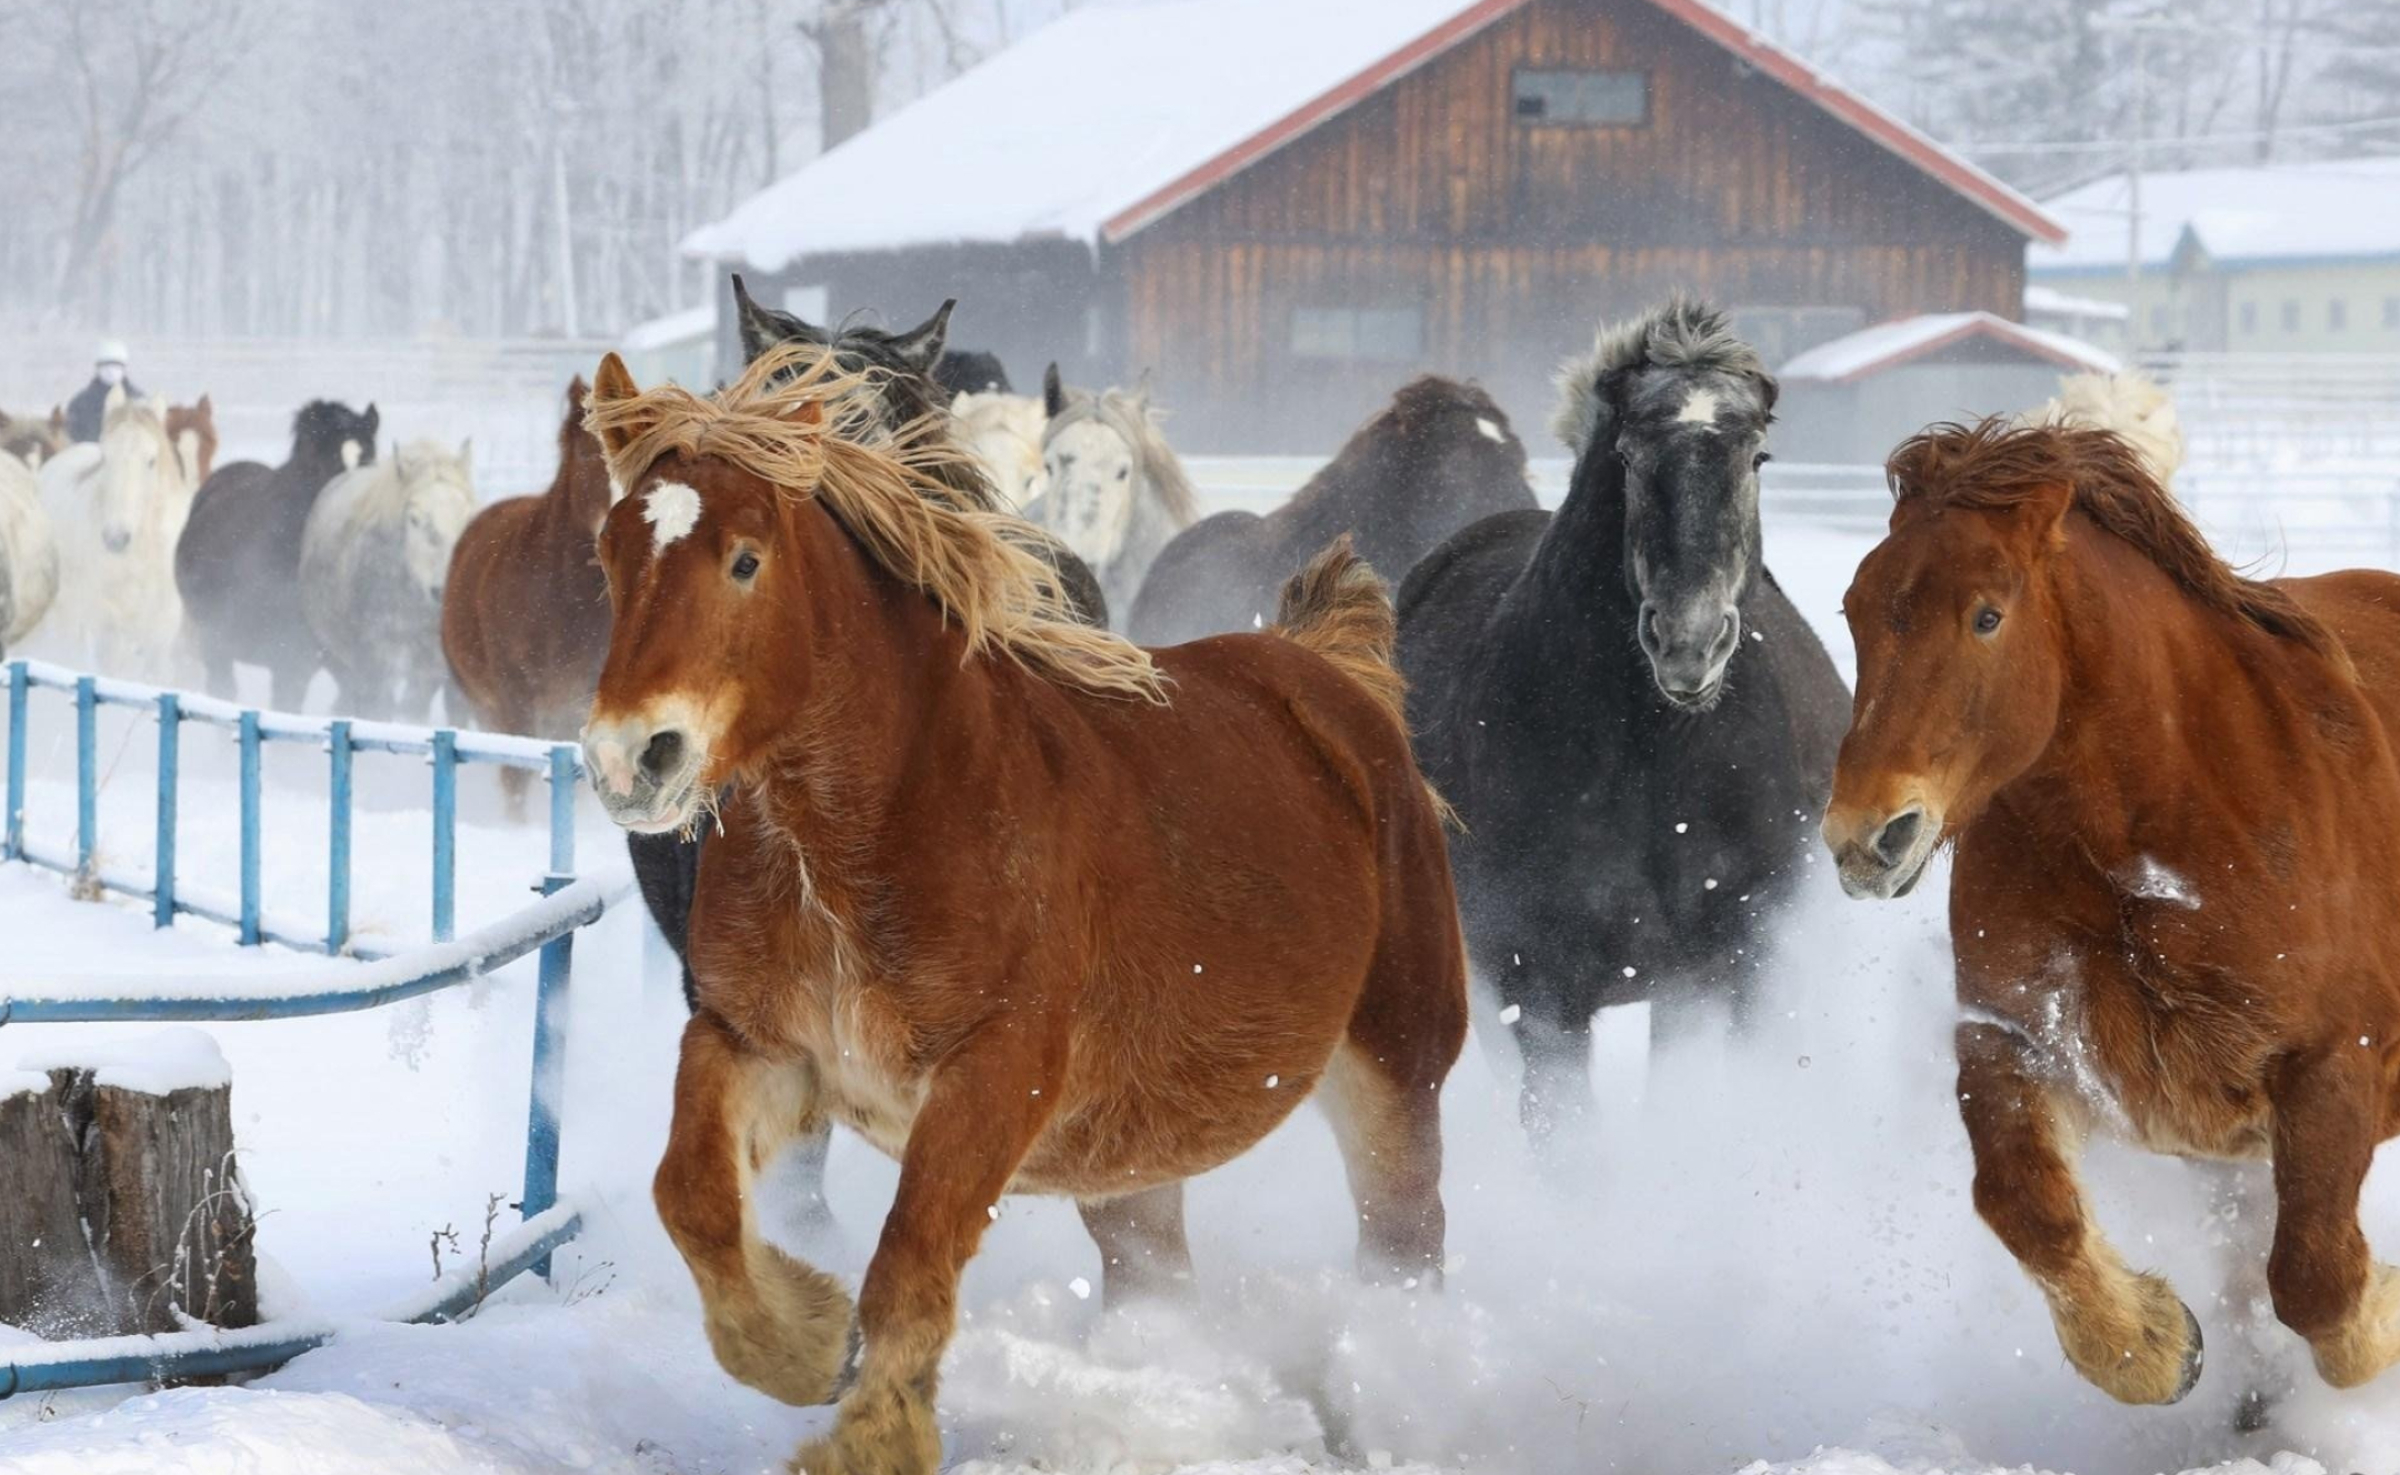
(119, 508)
(28, 552)
(373, 562)
(1005, 433)
(1117, 493)
(2129, 403)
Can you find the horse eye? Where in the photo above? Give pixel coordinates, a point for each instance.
(745, 568)
(1124, 472)
(1761, 459)
(1987, 620)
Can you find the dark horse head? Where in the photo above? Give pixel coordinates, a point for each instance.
(1675, 409)
(328, 431)
(908, 358)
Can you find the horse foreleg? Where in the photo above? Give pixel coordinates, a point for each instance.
(983, 1111)
(2128, 1333)
(1555, 1101)
(2326, 1285)
(1143, 1251)
(778, 1325)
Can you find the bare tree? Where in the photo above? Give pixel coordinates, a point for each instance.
(132, 74)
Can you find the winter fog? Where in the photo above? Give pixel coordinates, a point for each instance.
(699, 693)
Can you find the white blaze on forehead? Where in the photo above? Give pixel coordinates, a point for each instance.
(1700, 409)
(671, 509)
(350, 455)
(1490, 430)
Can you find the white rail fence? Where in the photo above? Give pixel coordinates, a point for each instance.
(2320, 514)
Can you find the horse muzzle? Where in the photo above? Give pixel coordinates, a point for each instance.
(1881, 857)
(1690, 649)
(647, 777)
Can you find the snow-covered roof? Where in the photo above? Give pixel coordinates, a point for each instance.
(2039, 298)
(2264, 212)
(1118, 112)
(674, 328)
(1868, 351)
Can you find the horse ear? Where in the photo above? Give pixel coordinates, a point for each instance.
(612, 383)
(1054, 392)
(204, 409)
(466, 454)
(2041, 518)
(921, 345)
(757, 325)
(1141, 394)
(58, 419)
(374, 419)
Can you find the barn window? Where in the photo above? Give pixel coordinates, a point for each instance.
(2291, 314)
(2337, 314)
(1382, 334)
(1585, 99)
(2249, 317)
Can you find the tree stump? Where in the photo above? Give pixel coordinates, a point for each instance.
(125, 1211)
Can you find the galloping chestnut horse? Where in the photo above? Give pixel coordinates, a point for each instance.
(1027, 911)
(524, 609)
(2177, 819)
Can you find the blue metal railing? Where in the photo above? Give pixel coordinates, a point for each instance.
(339, 738)
(548, 924)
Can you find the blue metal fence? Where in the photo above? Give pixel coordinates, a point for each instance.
(379, 978)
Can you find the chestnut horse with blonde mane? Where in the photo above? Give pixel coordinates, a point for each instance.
(2173, 798)
(524, 609)
(1029, 908)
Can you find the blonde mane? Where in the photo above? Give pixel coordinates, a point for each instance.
(883, 484)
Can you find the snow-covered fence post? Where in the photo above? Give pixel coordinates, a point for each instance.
(170, 745)
(19, 680)
(337, 832)
(250, 835)
(445, 833)
(87, 780)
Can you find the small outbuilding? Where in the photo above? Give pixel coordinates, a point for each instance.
(1853, 399)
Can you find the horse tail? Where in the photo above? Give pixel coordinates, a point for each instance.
(1338, 607)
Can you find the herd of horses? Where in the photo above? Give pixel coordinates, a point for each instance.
(1056, 840)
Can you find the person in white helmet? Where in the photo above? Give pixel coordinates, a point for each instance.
(90, 405)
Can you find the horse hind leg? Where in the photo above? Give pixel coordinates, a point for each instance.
(775, 1324)
(1143, 1251)
(1382, 1091)
(2126, 1332)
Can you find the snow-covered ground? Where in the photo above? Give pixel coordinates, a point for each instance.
(1766, 1254)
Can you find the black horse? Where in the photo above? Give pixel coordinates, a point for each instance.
(1438, 457)
(1636, 727)
(237, 564)
(970, 371)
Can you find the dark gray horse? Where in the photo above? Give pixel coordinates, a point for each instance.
(1439, 456)
(237, 564)
(1637, 728)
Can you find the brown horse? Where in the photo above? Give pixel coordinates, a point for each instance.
(524, 609)
(193, 429)
(1025, 910)
(2177, 818)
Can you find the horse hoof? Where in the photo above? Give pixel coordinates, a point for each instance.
(2255, 1412)
(2192, 1358)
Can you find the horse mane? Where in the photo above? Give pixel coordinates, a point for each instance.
(411, 465)
(883, 484)
(1681, 333)
(150, 414)
(1994, 465)
(2130, 403)
(970, 371)
(1128, 414)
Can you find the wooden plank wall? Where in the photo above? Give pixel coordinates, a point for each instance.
(1517, 241)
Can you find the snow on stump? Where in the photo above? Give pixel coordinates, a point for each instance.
(124, 1212)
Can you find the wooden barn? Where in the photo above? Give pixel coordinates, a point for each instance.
(1282, 208)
